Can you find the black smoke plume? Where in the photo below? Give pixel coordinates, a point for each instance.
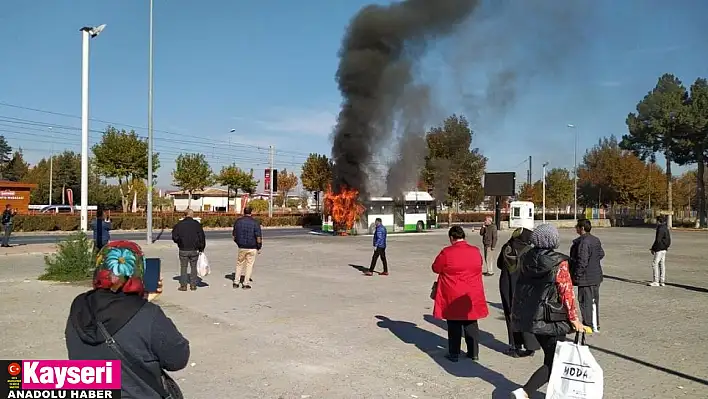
(380, 47)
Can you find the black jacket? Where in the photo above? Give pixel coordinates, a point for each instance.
(537, 306)
(188, 234)
(7, 216)
(662, 242)
(141, 329)
(586, 255)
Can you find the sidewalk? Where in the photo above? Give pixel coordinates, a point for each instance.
(29, 249)
(60, 233)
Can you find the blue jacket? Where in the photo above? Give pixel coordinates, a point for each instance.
(247, 233)
(380, 237)
(101, 232)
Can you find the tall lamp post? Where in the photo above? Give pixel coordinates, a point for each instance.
(51, 165)
(150, 138)
(575, 173)
(87, 33)
(544, 192)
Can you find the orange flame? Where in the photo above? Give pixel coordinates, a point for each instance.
(344, 208)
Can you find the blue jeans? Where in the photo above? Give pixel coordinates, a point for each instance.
(7, 230)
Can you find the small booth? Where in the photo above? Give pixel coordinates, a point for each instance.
(16, 194)
(521, 215)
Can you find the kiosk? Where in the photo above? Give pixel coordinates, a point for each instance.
(521, 215)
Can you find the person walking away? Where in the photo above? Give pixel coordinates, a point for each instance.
(189, 236)
(662, 242)
(379, 249)
(544, 303)
(8, 217)
(249, 239)
(459, 296)
(489, 241)
(101, 227)
(520, 344)
(586, 255)
(141, 329)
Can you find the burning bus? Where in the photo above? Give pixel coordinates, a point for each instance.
(414, 211)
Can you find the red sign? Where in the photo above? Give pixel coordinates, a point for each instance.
(244, 202)
(266, 182)
(70, 196)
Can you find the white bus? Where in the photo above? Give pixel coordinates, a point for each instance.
(415, 212)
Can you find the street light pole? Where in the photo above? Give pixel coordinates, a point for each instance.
(51, 165)
(150, 138)
(575, 173)
(87, 33)
(270, 202)
(544, 192)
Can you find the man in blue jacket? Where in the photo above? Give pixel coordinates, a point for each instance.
(379, 249)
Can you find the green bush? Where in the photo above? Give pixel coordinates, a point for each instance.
(258, 205)
(73, 261)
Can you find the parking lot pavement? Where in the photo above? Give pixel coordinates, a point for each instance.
(314, 327)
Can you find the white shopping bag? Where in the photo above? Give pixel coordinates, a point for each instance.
(576, 374)
(203, 268)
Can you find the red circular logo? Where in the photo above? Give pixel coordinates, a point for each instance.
(14, 369)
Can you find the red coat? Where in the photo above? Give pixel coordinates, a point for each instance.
(460, 294)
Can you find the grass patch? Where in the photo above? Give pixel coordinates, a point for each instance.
(73, 261)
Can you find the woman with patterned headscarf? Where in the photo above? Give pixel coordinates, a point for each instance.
(520, 344)
(118, 302)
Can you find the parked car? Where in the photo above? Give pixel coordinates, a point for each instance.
(57, 209)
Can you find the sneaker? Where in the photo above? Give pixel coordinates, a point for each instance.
(519, 394)
(182, 287)
(368, 273)
(653, 284)
(192, 287)
(383, 274)
(246, 287)
(662, 284)
(236, 285)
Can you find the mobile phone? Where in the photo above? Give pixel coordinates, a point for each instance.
(151, 274)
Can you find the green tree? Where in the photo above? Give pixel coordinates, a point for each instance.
(124, 156)
(559, 188)
(287, 181)
(656, 126)
(5, 155)
(452, 169)
(236, 178)
(316, 175)
(192, 172)
(258, 205)
(16, 169)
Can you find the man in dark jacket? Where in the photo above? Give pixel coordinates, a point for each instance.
(662, 242)
(189, 236)
(489, 240)
(249, 239)
(101, 227)
(586, 255)
(379, 249)
(7, 218)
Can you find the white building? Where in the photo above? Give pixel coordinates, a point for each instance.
(207, 200)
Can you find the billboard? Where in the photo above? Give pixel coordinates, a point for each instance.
(500, 184)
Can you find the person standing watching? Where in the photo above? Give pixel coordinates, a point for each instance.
(379, 249)
(662, 242)
(101, 227)
(189, 236)
(586, 254)
(489, 241)
(249, 239)
(7, 220)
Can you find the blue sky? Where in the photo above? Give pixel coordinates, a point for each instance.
(266, 69)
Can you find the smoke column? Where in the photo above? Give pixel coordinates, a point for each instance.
(380, 47)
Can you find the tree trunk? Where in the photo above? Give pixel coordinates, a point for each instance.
(189, 200)
(123, 196)
(669, 192)
(701, 191)
(135, 202)
(449, 215)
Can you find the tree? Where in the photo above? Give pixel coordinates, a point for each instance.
(316, 175)
(5, 155)
(684, 190)
(16, 169)
(656, 126)
(192, 172)
(532, 192)
(124, 156)
(559, 188)
(234, 178)
(287, 181)
(452, 170)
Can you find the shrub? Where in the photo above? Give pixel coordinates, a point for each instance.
(258, 205)
(73, 261)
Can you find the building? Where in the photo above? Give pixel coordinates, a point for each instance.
(15, 194)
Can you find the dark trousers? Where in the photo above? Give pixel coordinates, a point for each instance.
(379, 252)
(7, 230)
(589, 301)
(455, 330)
(188, 258)
(540, 377)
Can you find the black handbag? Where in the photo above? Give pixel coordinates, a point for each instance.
(165, 386)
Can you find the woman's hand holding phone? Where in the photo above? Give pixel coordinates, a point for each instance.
(151, 296)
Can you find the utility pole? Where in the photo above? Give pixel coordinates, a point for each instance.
(272, 161)
(51, 165)
(530, 177)
(544, 191)
(150, 138)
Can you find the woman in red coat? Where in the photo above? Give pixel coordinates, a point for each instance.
(459, 297)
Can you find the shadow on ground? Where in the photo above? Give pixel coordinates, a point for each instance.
(435, 347)
(200, 282)
(639, 282)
